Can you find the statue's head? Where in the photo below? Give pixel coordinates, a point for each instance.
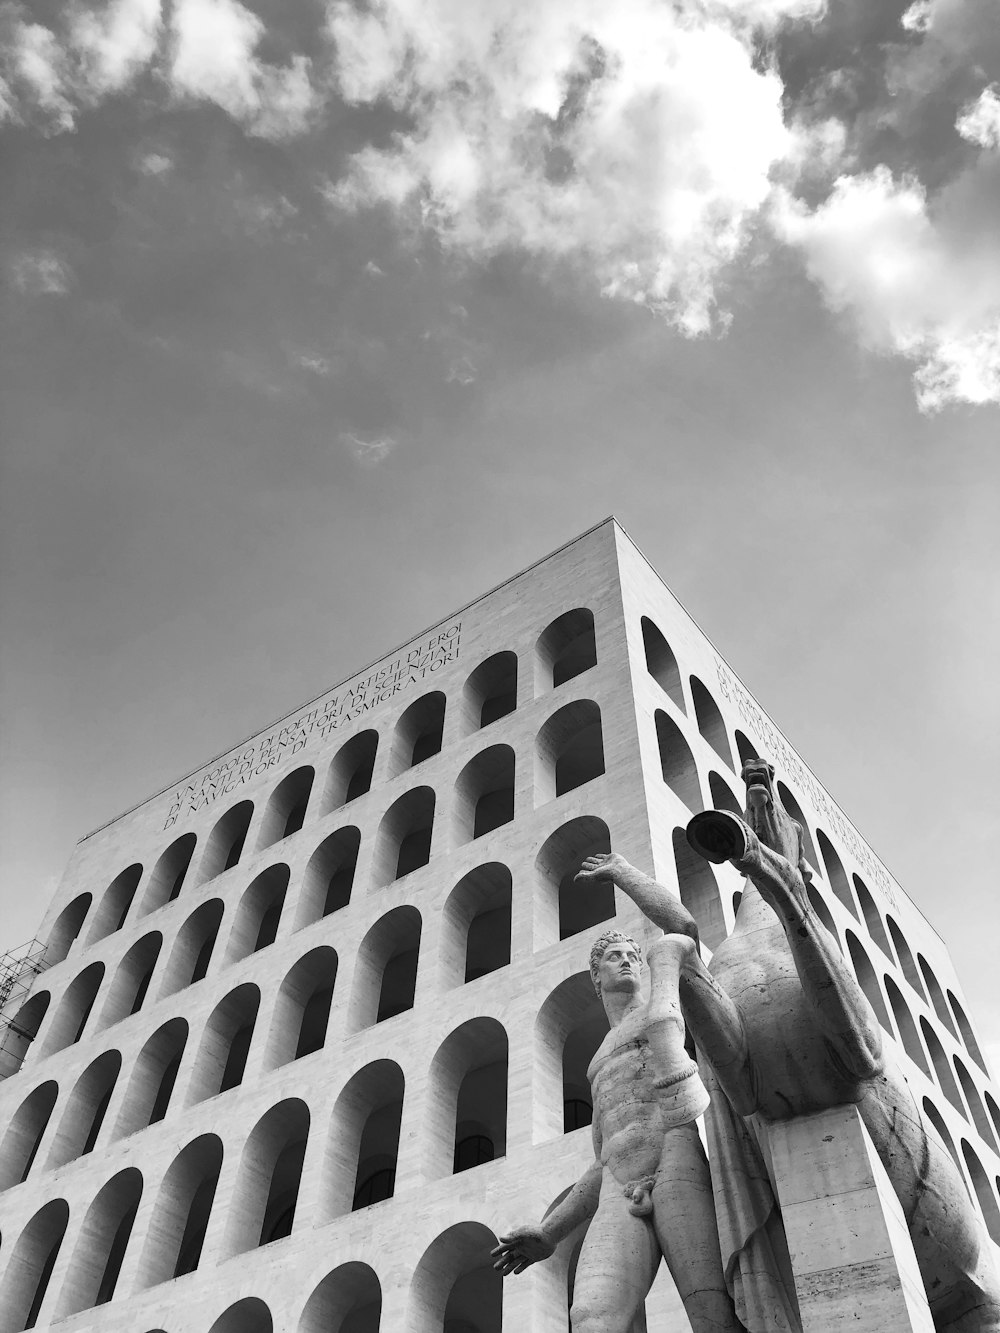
(615, 943)
(767, 816)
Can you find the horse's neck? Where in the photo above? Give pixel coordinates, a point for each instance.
(753, 912)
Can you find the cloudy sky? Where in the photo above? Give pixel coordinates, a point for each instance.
(320, 318)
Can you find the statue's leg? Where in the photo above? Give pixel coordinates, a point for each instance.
(617, 1265)
(684, 1218)
(717, 1027)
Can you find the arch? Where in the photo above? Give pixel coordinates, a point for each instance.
(22, 1030)
(745, 748)
(710, 721)
(114, 906)
(476, 925)
(30, 1269)
(193, 948)
(179, 1219)
(937, 1121)
(258, 915)
(351, 1291)
(97, 1260)
(86, 1108)
(873, 917)
(302, 1010)
(905, 1025)
(455, 1285)
(167, 878)
(490, 692)
(836, 875)
(66, 929)
(565, 649)
(661, 662)
(225, 843)
(152, 1080)
(570, 1025)
(249, 1315)
(791, 804)
(364, 1139)
(945, 1078)
(267, 1182)
(968, 1036)
(823, 912)
(484, 794)
(329, 877)
(994, 1111)
(564, 908)
(468, 1081)
(905, 958)
(130, 983)
(70, 1018)
(677, 762)
(975, 1104)
(350, 772)
(24, 1134)
(699, 891)
(868, 981)
(385, 974)
(937, 997)
(419, 732)
(723, 796)
(569, 750)
(984, 1192)
(285, 812)
(225, 1044)
(403, 842)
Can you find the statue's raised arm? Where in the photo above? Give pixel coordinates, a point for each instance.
(658, 905)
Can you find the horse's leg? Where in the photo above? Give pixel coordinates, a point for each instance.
(837, 1000)
(717, 1027)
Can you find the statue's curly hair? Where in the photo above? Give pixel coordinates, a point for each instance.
(600, 947)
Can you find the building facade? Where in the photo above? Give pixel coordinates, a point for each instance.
(312, 1026)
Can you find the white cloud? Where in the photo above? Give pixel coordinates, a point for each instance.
(155, 164)
(42, 273)
(369, 453)
(114, 42)
(980, 122)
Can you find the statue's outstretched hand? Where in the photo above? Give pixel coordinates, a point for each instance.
(603, 866)
(523, 1246)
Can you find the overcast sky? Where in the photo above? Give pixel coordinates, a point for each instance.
(321, 319)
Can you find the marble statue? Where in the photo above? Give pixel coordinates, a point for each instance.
(784, 1029)
(648, 1194)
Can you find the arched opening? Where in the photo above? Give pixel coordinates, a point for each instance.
(564, 907)
(868, 981)
(905, 1025)
(348, 1300)
(285, 812)
(350, 773)
(225, 1045)
(385, 974)
(97, 1260)
(824, 913)
(677, 762)
(329, 877)
(936, 1120)
(942, 1068)
(905, 958)
(178, 1223)
(490, 692)
(225, 843)
(723, 796)
(302, 1010)
(570, 1026)
(566, 649)
(267, 1182)
(710, 720)
(66, 929)
(193, 948)
(836, 876)
(699, 891)
(795, 810)
(70, 1018)
(569, 750)
(167, 879)
(365, 1139)
(30, 1269)
(418, 733)
(661, 663)
(152, 1080)
(258, 915)
(130, 985)
(247, 1316)
(873, 917)
(936, 994)
(468, 1079)
(745, 749)
(113, 908)
(975, 1104)
(984, 1192)
(484, 794)
(403, 843)
(455, 1287)
(968, 1036)
(24, 1133)
(476, 925)
(22, 1031)
(86, 1108)
(994, 1111)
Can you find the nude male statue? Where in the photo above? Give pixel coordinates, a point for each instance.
(648, 1193)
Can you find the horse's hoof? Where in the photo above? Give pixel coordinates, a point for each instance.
(717, 836)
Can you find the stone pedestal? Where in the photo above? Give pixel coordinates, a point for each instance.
(851, 1252)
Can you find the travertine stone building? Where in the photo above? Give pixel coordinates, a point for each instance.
(314, 1023)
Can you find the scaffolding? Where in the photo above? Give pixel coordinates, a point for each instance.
(18, 969)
